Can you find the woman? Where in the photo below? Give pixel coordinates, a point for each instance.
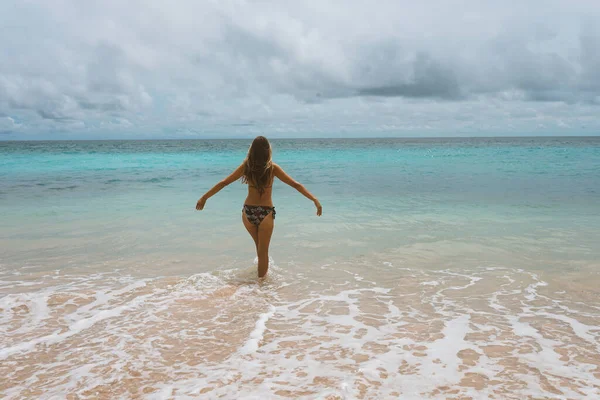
(258, 213)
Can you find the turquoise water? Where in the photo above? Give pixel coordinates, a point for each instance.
(440, 268)
(136, 198)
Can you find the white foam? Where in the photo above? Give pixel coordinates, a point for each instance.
(81, 323)
(271, 261)
(522, 329)
(580, 329)
(446, 349)
(256, 336)
(531, 289)
(310, 335)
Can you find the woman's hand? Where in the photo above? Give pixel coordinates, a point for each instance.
(200, 203)
(319, 208)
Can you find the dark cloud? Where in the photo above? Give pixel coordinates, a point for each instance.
(590, 60)
(52, 115)
(430, 79)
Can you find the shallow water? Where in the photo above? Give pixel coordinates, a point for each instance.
(464, 268)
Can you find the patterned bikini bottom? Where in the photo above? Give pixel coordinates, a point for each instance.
(256, 214)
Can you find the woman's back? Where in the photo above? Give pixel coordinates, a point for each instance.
(260, 199)
(258, 173)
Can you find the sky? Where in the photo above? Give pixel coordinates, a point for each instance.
(82, 69)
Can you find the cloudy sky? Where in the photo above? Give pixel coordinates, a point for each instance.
(288, 68)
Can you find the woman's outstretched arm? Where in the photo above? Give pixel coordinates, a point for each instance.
(234, 176)
(285, 178)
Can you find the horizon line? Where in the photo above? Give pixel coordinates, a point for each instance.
(304, 138)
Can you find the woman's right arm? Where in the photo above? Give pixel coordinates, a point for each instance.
(285, 178)
(235, 175)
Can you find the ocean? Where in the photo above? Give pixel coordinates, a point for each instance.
(440, 268)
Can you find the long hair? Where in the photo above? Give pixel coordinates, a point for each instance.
(258, 167)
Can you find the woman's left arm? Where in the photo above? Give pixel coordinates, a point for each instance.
(234, 176)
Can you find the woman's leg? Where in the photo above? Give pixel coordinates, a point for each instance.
(252, 230)
(265, 230)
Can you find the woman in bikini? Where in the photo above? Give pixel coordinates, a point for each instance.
(258, 213)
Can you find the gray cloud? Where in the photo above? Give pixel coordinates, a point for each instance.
(292, 68)
(53, 116)
(429, 79)
(8, 125)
